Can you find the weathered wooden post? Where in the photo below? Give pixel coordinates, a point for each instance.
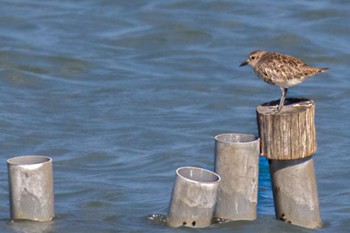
(288, 140)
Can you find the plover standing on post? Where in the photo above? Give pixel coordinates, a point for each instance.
(280, 69)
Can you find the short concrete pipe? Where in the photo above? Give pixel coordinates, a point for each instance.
(237, 163)
(295, 192)
(31, 188)
(193, 199)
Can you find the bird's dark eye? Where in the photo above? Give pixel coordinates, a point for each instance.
(252, 57)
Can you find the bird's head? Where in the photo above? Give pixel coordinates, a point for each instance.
(253, 58)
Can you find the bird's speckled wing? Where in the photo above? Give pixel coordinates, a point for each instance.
(283, 70)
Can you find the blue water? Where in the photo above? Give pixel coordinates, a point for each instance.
(121, 93)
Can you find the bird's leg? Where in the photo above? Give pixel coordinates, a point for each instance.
(283, 97)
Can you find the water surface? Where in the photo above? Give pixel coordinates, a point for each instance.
(121, 93)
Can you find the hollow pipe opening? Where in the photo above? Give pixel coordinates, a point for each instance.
(198, 174)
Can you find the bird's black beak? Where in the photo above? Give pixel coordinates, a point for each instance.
(244, 63)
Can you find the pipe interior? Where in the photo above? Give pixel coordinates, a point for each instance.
(236, 138)
(26, 160)
(198, 174)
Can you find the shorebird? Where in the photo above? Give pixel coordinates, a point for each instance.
(280, 69)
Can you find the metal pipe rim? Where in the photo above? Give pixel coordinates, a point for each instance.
(198, 175)
(236, 138)
(29, 160)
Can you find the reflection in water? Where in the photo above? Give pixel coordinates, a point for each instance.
(161, 219)
(157, 219)
(26, 226)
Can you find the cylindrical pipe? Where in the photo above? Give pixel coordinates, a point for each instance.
(193, 199)
(31, 188)
(237, 163)
(295, 192)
